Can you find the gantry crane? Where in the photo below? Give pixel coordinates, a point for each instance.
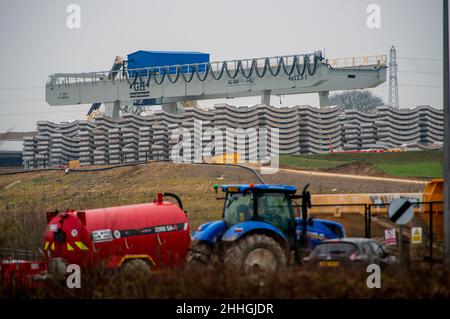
(170, 85)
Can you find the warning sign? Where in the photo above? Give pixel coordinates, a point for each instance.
(389, 237)
(416, 235)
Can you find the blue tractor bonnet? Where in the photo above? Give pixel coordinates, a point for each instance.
(239, 188)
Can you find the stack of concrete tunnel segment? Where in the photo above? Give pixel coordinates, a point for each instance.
(301, 129)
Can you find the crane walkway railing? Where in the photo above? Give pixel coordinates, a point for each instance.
(373, 60)
(259, 65)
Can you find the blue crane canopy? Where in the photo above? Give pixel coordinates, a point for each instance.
(150, 59)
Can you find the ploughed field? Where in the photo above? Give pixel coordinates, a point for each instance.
(24, 198)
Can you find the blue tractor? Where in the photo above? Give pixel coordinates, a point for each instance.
(263, 226)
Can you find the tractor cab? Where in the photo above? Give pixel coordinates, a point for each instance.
(271, 204)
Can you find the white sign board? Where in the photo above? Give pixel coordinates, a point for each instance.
(401, 211)
(416, 235)
(389, 237)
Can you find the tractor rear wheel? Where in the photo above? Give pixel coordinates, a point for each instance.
(200, 254)
(257, 256)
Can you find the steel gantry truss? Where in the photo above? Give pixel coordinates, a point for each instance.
(170, 85)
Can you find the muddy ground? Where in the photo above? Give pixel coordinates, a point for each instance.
(24, 198)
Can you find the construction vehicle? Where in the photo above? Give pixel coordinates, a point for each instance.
(225, 158)
(132, 238)
(262, 227)
(142, 236)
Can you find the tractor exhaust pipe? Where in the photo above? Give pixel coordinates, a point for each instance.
(306, 203)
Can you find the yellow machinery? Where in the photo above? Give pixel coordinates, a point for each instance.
(189, 103)
(434, 192)
(342, 203)
(226, 158)
(74, 164)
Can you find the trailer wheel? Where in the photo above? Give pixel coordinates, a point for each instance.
(135, 267)
(200, 254)
(257, 256)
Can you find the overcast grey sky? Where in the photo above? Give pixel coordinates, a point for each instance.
(36, 42)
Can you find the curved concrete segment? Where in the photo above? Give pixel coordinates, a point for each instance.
(301, 130)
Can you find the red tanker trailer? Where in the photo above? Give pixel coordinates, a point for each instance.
(156, 233)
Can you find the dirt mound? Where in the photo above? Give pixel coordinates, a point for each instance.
(357, 169)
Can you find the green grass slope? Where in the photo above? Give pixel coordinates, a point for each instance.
(426, 164)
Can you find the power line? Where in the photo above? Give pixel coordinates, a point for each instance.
(421, 85)
(20, 100)
(420, 59)
(35, 113)
(25, 74)
(427, 48)
(415, 85)
(21, 88)
(420, 72)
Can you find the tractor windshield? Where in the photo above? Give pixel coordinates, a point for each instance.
(276, 209)
(238, 208)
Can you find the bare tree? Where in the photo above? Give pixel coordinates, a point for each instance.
(361, 100)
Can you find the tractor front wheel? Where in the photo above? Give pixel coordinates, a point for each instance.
(257, 256)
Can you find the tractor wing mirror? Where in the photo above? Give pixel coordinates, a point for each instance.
(306, 196)
(305, 188)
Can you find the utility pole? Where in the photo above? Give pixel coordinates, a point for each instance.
(393, 85)
(446, 138)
